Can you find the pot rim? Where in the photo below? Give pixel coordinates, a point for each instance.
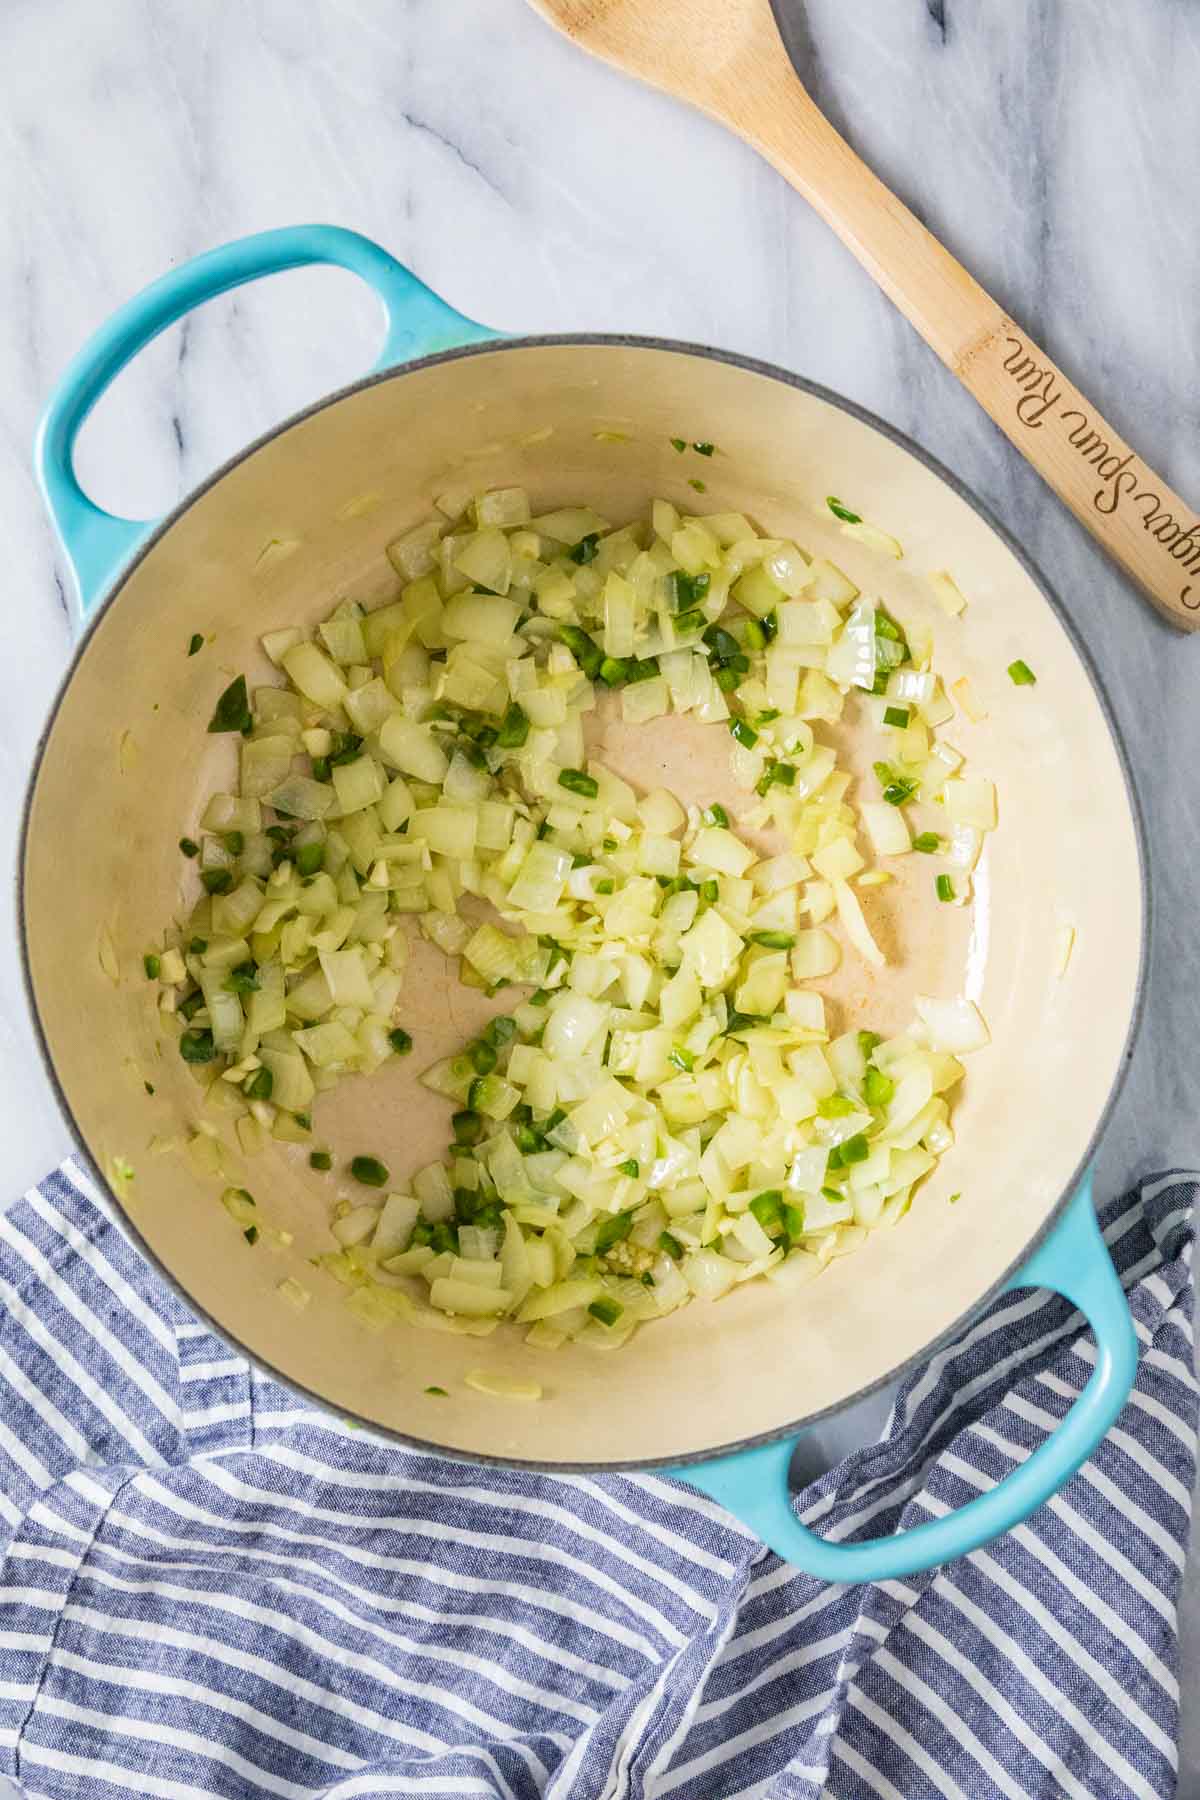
(620, 340)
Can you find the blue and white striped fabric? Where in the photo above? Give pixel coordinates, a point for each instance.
(210, 1589)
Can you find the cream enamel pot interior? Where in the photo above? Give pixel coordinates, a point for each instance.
(125, 762)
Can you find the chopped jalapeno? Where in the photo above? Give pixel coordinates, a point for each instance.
(740, 1021)
(836, 1106)
(369, 1170)
(259, 1085)
(607, 1311)
(878, 1088)
(577, 782)
(467, 1127)
(347, 748)
(514, 728)
(855, 1150)
(687, 591)
(776, 774)
(232, 711)
(612, 1230)
(896, 786)
(768, 1208)
(584, 649)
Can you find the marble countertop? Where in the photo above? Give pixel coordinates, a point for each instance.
(540, 191)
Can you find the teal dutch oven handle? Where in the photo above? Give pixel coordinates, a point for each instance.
(1073, 1261)
(97, 543)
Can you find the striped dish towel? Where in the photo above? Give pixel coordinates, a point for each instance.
(211, 1589)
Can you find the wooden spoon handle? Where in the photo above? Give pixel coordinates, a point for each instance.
(1145, 527)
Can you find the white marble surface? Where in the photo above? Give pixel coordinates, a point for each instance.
(1049, 144)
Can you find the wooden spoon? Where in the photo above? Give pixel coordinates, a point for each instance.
(727, 58)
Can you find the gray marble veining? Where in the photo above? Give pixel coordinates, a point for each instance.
(1051, 143)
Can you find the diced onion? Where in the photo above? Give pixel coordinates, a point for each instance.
(953, 1025)
(659, 1114)
(971, 800)
(856, 927)
(949, 595)
(815, 953)
(964, 693)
